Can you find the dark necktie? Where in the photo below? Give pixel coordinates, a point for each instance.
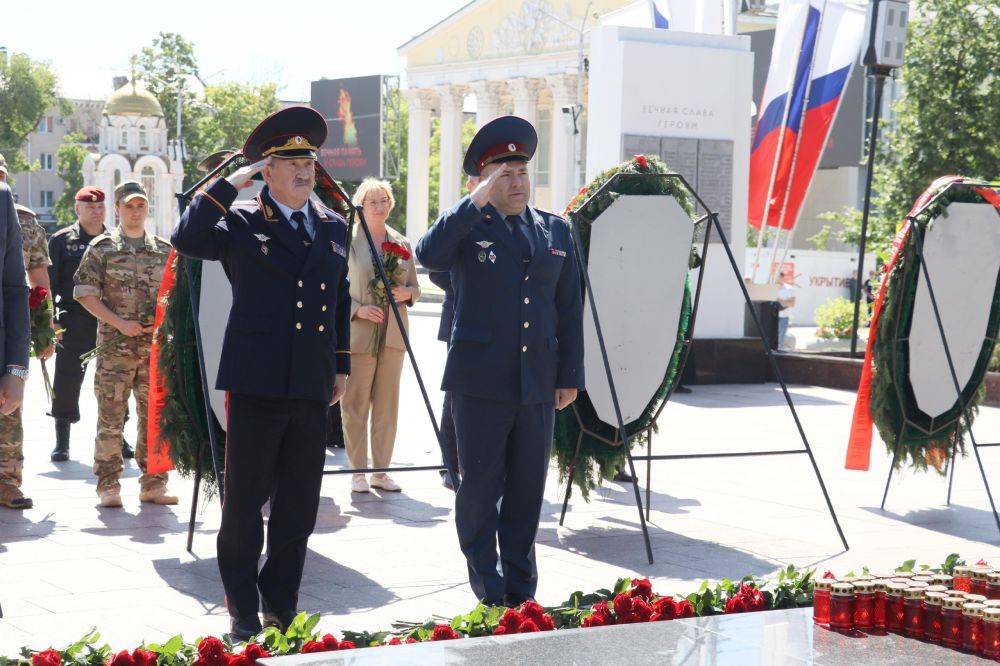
(300, 226)
(522, 241)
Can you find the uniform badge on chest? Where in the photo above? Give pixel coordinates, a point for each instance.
(263, 238)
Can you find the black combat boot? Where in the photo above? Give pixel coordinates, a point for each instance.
(127, 451)
(61, 452)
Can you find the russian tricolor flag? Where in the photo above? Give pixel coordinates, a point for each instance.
(815, 45)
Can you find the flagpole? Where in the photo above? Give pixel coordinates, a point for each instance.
(777, 152)
(795, 151)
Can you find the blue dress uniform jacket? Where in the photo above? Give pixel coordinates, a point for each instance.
(517, 334)
(289, 326)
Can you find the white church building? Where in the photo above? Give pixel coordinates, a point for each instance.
(132, 145)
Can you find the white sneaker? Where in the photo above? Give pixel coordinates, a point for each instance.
(385, 483)
(358, 484)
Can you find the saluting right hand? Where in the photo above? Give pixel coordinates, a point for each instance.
(481, 195)
(371, 313)
(242, 177)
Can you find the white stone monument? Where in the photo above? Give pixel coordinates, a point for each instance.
(686, 97)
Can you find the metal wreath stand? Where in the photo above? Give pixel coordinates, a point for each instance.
(897, 446)
(622, 437)
(324, 180)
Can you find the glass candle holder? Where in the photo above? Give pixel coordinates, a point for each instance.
(951, 621)
(962, 579)
(991, 633)
(880, 603)
(942, 579)
(821, 600)
(993, 585)
(936, 588)
(842, 607)
(972, 627)
(976, 598)
(924, 578)
(933, 603)
(992, 603)
(913, 612)
(980, 580)
(894, 606)
(864, 604)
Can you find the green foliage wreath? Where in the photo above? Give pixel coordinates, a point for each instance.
(598, 460)
(924, 442)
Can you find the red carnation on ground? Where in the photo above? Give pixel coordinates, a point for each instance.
(642, 588)
(641, 161)
(49, 657)
(511, 621)
(528, 627)
(444, 632)
(36, 297)
(211, 652)
(123, 658)
(535, 612)
(144, 657)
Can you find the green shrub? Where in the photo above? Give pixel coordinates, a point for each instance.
(835, 318)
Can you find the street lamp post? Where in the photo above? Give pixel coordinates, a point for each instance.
(886, 23)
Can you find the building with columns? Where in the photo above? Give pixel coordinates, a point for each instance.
(132, 145)
(522, 57)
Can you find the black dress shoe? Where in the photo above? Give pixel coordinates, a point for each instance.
(127, 451)
(621, 476)
(278, 619)
(515, 600)
(243, 629)
(446, 480)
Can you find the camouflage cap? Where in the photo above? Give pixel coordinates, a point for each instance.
(128, 190)
(3, 163)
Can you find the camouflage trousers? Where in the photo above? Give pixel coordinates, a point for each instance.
(118, 376)
(11, 454)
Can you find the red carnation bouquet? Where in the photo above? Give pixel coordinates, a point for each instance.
(43, 336)
(393, 256)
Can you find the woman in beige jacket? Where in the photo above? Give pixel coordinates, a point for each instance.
(374, 384)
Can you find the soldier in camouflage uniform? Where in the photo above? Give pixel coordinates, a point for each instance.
(117, 281)
(36, 264)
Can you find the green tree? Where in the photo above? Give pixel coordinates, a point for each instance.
(234, 109)
(947, 119)
(27, 91)
(69, 159)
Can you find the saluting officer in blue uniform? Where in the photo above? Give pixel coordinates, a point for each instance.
(516, 353)
(285, 357)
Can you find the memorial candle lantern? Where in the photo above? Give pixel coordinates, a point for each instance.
(972, 627)
(951, 621)
(880, 602)
(991, 633)
(894, 606)
(923, 578)
(933, 603)
(864, 604)
(976, 598)
(942, 579)
(913, 611)
(993, 586)
(980, 580)
(842, 607)
(821, 600)
(962, 579)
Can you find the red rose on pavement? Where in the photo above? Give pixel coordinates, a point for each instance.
(500, 630)
(623, 608)
(123, 658)
(253, 652)
(330, 642)
(736, 605)
(642, 588)
(347, 645)
(443, 632)
(528, 627)
(310, 647)
(211, 652)
(511, 620)
(600, 616)
(685, 609)
(49, 657)
(144, 657)
(237, 660)
(641, 611)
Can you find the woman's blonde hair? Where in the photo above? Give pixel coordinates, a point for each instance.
(369, 185)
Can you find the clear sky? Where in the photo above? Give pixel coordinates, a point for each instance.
(291, 43)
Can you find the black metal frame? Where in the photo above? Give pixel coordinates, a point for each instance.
(622, 436)
(919, 232)
(183, 200)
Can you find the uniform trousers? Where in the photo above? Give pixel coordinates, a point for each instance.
(119, 375)
(275, 450)
(503, 451)
(11, 454)
(374, 389)
(80, 337)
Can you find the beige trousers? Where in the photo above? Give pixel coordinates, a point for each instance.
(373, 388)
